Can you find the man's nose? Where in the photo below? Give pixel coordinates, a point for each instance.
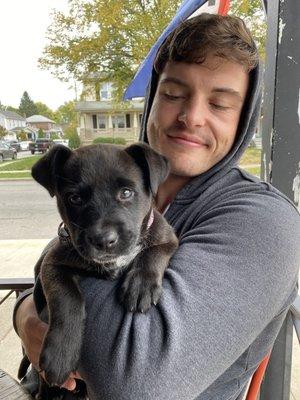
(103, 238)
(194, 114)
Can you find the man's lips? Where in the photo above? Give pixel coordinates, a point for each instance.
(186, 140)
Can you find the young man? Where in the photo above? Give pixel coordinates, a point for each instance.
(229, 285)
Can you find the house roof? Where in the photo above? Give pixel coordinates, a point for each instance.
(12, 115)
(105, 106)
(23, 128)
(38, 118)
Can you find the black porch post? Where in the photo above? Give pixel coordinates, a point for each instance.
(281, 151)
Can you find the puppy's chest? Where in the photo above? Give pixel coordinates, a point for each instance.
(113, 270)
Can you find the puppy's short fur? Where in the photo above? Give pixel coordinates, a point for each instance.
(105, 198)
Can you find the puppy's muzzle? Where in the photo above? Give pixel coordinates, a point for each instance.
(105, 239)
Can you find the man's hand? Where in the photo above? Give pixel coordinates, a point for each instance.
(32, 332)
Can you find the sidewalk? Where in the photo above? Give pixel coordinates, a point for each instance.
(17, 260)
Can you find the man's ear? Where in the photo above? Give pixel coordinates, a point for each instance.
(154, 166)
(46, 169)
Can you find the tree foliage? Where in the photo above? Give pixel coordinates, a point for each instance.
(66, 113)
(27, 106)
(3, 132)
(251, 11)
(71, 134)
(43, 109)
(107, 36)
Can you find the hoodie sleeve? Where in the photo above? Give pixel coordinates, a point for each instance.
(234, 272)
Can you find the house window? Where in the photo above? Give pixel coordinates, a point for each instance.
(102, 121)
(118, 121)
(106, 91)
(95, 121)
(127, 120)
(140, 119)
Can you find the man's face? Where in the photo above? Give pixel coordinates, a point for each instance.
(195, 113)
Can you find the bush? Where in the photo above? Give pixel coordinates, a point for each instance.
(41, 134)
(71, 133)
(22, 136)
(112, 140)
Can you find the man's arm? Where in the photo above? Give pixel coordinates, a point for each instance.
(30, 328)
(230, 282)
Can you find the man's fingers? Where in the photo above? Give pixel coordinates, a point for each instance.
(69, 384)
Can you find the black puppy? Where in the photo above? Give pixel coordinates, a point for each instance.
(105, 198)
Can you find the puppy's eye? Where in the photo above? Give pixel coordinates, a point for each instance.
(125, 194)
(75, 200)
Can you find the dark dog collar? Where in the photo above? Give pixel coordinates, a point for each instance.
(63, 233)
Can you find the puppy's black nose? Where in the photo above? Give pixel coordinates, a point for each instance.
(104, 238)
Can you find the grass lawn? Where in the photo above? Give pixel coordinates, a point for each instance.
(14, 175)
(251, 156)
(19, 165)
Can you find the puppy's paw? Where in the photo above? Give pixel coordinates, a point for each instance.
(57, 358)
(140, 290)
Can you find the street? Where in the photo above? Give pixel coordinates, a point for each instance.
(27, 211)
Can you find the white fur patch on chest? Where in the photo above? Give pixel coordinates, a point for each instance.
(123, 261)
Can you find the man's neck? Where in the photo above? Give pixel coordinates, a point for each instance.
(168, 190)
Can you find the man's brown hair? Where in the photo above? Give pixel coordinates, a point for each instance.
(209, 34)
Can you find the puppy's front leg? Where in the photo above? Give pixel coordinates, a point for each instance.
(142, 285)
(62, 344)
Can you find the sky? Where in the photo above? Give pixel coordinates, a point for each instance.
(23, 25)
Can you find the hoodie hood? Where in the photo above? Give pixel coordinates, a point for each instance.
(246, 129)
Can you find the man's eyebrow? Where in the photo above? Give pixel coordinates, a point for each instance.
(174, 80)
(227, 90)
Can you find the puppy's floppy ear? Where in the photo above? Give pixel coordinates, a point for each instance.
(154, 166)
(47, 168)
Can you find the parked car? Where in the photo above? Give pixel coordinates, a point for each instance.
(24, 145)
(40, 145)
(15, 144)
(7, 152)
(64, 142)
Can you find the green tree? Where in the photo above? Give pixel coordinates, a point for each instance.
(41, 133)
(106, 36)
(66, 114)
(3, 132)
(43, 109)
(71, 134)
(251, 11)
(10, 108)
(27, 106)
(22, 136)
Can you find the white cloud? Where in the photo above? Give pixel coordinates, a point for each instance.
(23, 25)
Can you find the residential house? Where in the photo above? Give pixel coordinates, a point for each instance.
(31, 133)
(47, 125)
(100, 116)
(10, 120)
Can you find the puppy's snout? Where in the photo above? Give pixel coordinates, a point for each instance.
(103, 239)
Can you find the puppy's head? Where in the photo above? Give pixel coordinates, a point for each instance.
(104, 195)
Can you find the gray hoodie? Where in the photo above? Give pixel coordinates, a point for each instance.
(226, 291)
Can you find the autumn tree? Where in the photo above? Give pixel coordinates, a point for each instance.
(43, 109)
(66, 113)
(251, 11)
(27, 106)
(3, 132)
(106, 36)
